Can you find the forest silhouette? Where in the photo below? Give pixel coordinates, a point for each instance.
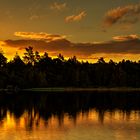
(36, 71)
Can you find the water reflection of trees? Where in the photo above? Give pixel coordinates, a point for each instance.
(44, 106)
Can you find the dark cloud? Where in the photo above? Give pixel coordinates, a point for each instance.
(120, 45)
(40, 45)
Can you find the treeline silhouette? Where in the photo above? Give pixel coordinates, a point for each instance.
(35, 70)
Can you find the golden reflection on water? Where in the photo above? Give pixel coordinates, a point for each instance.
(100, 125)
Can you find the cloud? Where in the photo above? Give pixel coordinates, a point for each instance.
(39, 36)
(74, 18)
(126, 14)
(119, 45)
(126, 37)
(33, 17)
(58, 6)
(53, 48)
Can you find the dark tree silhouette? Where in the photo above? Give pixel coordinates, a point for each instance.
(37, 70)
(3, 60)
(29, 56)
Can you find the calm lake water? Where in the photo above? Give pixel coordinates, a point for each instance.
(70, 116)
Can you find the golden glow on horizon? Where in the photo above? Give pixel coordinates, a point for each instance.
(10, 52)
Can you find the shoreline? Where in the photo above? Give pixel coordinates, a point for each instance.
(71, 89)
(68, 89)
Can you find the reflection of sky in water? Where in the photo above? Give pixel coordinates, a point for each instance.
(116, 125)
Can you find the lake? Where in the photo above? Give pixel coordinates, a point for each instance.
(70, 116)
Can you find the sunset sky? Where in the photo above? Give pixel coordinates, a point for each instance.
(89, 29)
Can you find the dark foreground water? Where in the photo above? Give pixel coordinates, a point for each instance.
(70, 116)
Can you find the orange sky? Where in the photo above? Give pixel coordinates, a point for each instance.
(89, 30)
